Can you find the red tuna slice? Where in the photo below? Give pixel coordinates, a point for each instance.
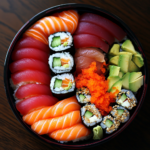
(30, 90)
(91, 52)
(29, 64)
(113, 28)
(29, 76)
(29, 42)
(33, 103)
(30, 53)
(85, 62)
(88, 40)
(90, 28)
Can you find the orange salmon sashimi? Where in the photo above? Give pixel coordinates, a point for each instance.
(60, 108)
(75, 132)
(49, 125)
(64, 21)
(64, 61)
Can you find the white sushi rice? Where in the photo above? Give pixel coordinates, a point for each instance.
(62, 35)
(61, 69)
(62, 77)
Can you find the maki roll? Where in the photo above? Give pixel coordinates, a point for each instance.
(120, 113)
(90, 115)
(126, 99)
(61, 63)
(83, 95)
(61, 41)
(62, 86)
(110, 124)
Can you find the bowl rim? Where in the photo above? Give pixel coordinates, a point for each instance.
(43, 13)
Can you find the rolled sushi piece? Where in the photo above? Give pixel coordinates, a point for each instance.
(90, 115)
(61, 42)
(63, 86)
(120, 113)
(61, 63)
(83, 95)
(126, 99)
(110, 124)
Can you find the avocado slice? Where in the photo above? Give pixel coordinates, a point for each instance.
(126, 53)
(138, 60)
(125, 81)
(136, 84)
(108, 123)
(112, 80)
(88, 114)
(121, 74)
(69, 86)
(133, 67)
(114, 50)
(58, 83)
(97, 133)
(123, 98)
(114, 70)
(123, 63)
(114, 60)
(66, 66)
(128, 46)
(56, 62)
(134, 75)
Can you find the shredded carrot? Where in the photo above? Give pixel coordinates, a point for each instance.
(98, 87)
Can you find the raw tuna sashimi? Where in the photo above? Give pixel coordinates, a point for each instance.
(90, 28)
(29, 64)
(30, 90)
(84, 63)
(60, 108)
(29, 76)
(90, 52)
(113, 28)
(75, 132)
(33, 103)
(49, 125)
(29, 42)
(30, 53)
(88, 40)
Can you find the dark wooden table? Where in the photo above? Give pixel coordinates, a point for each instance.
(14, 13)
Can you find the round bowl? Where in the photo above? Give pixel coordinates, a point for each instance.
(81, 8)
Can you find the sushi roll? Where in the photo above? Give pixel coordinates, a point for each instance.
(110, 124)
(120, 113)
(61, 42)
(126, 99)
(61, 63)
(83, 95)
(63, 86)
(90, 115)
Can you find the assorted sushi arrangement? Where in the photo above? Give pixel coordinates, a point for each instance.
(75, 76)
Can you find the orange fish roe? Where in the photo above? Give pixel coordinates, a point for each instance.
(98, 87)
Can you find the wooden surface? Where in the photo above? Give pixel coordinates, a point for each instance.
(14, 13)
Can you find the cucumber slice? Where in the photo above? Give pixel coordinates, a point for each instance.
(58, 83)
(123, 97)
(120, 111)
(81, 97)
(56, 62)
(88, 114)
(108, 123)
(56, 41)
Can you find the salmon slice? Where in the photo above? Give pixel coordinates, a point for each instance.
(72, 133)
(64, 61)
(91, 52)
(50, 125)
(29, 63)
(65, 82)
(60, 108)
(31, 90)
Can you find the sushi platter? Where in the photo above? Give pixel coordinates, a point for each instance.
(75, 76)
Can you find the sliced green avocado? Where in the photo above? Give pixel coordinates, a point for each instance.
(123, 98)
(136, 84)
(112, 80)
(133, 67)
(123, 63)
(114, 60)
(120, 111)
(125, 80)
(121, 74)
(114, 70)
(138, 60)
(88, 114)
(69, 86)
(56, 41)
(97, 133)
(128, 46)
(108, 123)
(56, 62)
(126, 53)
(134, 75)
(114, 50)
(58, 83)
(66, 66)
(81, 97)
